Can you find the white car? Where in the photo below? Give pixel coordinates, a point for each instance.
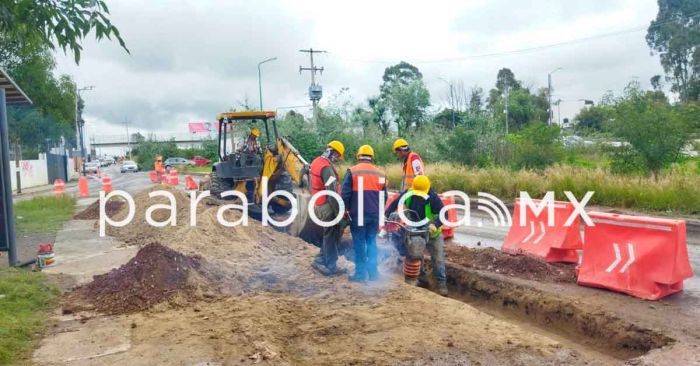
(129, 166)
(92, 167)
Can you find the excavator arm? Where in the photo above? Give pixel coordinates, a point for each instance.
(285, 158)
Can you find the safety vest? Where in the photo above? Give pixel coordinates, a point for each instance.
(317, 183)
(373, 179)
(408, 173)
(428, 212)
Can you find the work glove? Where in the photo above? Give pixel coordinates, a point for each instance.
(382, 234)
(433, 230)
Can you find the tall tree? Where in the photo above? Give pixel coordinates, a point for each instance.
(675, 35)
(405, 96)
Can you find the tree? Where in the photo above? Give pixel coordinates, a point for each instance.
(404, 96)
(655, 130)
(506, 79)
(56, 23)
(536, 146)
(592, 118)
(476, 100)
(675, 35)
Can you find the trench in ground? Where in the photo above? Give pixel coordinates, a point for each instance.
(598, 334)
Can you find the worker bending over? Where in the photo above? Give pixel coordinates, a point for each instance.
(364, 183)
(425, 203)
(324, 177)
(412, 163)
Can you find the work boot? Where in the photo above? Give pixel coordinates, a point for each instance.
(320, 268)
(357, 277)
(442, 289)
(423, 282)
(411, 281)
(336, 271)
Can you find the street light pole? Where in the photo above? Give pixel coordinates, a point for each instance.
(260, 79)
(549, 94)
(80, 127)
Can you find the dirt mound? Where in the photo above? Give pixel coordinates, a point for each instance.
(493, 260)
(92, 212)
(154, 275)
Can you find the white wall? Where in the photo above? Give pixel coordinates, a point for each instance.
(32, 173)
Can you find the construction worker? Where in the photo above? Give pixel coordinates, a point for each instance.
(158, 165)
(425, 203)
(365, 182)
(251, 149)
(252, 145)
(412, 163)
(324, 177)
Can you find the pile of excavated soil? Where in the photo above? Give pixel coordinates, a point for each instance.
(154, 275)
(92, 212)
(493, 260)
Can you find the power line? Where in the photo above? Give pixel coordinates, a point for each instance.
(315, 90)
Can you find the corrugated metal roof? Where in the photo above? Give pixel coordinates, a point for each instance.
(13, 93)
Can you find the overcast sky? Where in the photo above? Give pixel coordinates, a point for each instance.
(192, 59)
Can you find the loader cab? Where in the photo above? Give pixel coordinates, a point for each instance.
(234, 162)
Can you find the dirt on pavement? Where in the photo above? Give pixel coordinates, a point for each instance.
(92, 212)
(494, 260)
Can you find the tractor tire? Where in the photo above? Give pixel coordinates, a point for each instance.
(283, 183)
(219, 185)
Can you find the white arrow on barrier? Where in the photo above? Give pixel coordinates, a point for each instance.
(618, 258)
(532, 233)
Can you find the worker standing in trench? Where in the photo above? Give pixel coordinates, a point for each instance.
(412, 163)
(324, 177)
(364, 182)
(426, 203)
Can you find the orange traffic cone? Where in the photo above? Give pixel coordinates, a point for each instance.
(106, 183)
(190, 184)
(59, 186)
(163, 176)
(154, 176)
(83, 189)
(174, 181)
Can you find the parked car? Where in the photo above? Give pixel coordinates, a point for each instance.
(176, 162)
(129, 166)
(92, 167)
(199, 161)
(109, 161)
(104, 163)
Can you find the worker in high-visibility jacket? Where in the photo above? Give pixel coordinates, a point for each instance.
(412, 163)
(363, 185)
(425, 203)
(324, 178)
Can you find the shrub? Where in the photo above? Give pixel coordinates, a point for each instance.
(536, 146)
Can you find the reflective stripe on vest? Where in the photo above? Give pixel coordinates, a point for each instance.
(373, 179)
(408, 173)
(317, 183)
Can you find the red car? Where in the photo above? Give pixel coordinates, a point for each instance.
(199, 161)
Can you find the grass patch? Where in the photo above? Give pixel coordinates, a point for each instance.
(203, 169)
(26, 296)
(675, 191)
(43, 214)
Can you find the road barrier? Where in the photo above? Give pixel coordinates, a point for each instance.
(641, 256)
(59, 186)
(190, 184)
(83, 188)
(163, 176)
(154, 176)
(173, 181)
(536, 238)
(106, 183)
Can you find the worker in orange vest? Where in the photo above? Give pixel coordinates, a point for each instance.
(324, 177)
(412, 163)
(159, 166)
(363, 185)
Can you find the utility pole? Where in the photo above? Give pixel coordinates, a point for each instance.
(128, 138)
(549, 94)
(260, 78)
(507, 90)
(80, 125)
(315, 90)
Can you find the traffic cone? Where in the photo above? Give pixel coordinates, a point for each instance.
(190, 184)
(163, 177)
(106, 183)
(83, 188)
(174, 181)
(154, 176)
(59, 186)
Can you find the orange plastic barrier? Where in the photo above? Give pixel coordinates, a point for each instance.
(106, 183)
(449, 232)
(59, 186)
(641, 256)
(537, 239)
(154, 176)
(190, 184)
(83, 188)
(173, 181)
(163, 176)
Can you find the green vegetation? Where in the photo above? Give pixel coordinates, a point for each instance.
(43, 214)
(26, 297)
(204, 169)
(148, 149)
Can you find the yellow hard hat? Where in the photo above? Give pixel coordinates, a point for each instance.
(365, 150)
(337, 146)
(399, 143)
(255, 132)
(421, 185)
